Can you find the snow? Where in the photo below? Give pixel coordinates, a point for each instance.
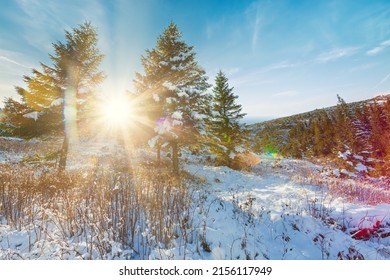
(17, 139)
(348, 173)
(198, 116)
(182, 94)
(11, 155)
(177, 115)
(170, 100)
(280, 209)
(152, 142)
(344, 155)
(361, 167)
(177, 58)
(239, 149)
(32, 115)
(177, 123)
(164, 125)
(358, 157)
(263, 213)
(156, 97)
(169, 86)
(57, 102)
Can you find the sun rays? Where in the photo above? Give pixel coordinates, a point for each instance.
(117, 112)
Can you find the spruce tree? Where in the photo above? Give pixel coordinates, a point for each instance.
(58, 94)
(380, 136)
(228, 134)
(322, 134)
(386, 137)
(343, 127)
(362, 134)
(172, 89)
(295, 146)
(76, 69)
(14, 120)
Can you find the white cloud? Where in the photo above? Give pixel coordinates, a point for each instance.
(256, 14)
(281, 65)
(256, 28)
(249, 78)
(336, 54)
(13, 62)
(231, 71)
(382, 81)
(286, 93)
(215, 27)
(43, 21)
(378, 49)
(13, 65)
(255, 77)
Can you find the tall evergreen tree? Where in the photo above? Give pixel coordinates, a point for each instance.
(295, 145)
(76, 68)
(380, 135)
(386, 139)
(362, 135)
(172, 90)
(58, 94)
(225, 119)
(323, 134)
(343, 125)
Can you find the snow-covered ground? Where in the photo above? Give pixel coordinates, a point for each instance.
(265, 213)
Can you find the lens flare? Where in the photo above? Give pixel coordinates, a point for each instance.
(70, 114)
(271, 151)
(117, 112)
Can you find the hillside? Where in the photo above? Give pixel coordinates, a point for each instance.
(287, 122)
(353, 136)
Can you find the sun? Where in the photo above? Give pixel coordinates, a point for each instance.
(117, 111)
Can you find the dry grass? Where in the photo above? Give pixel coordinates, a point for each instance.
(33, 151)
(358, 190)
(142, 210)
(244, 161)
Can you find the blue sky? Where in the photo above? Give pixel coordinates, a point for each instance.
(281, 57)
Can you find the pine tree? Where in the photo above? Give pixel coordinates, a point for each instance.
(343, 125)
(362, 133)
(269, 139)
(76, 69)
(58, 94)
(228, 133)
(295, 146)
(322, 134)
(380, 135)
(317, 135)
(173, 92)
(386, 139)
(14, 121)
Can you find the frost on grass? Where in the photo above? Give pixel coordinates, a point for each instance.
(278, 209)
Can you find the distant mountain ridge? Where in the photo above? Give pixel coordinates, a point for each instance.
(288, 121)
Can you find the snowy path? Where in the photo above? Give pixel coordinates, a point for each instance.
(265, 214)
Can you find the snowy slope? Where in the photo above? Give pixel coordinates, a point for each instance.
(265, 213)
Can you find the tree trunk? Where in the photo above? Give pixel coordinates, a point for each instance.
(158, 147)
(63, 154)
(175, 157)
